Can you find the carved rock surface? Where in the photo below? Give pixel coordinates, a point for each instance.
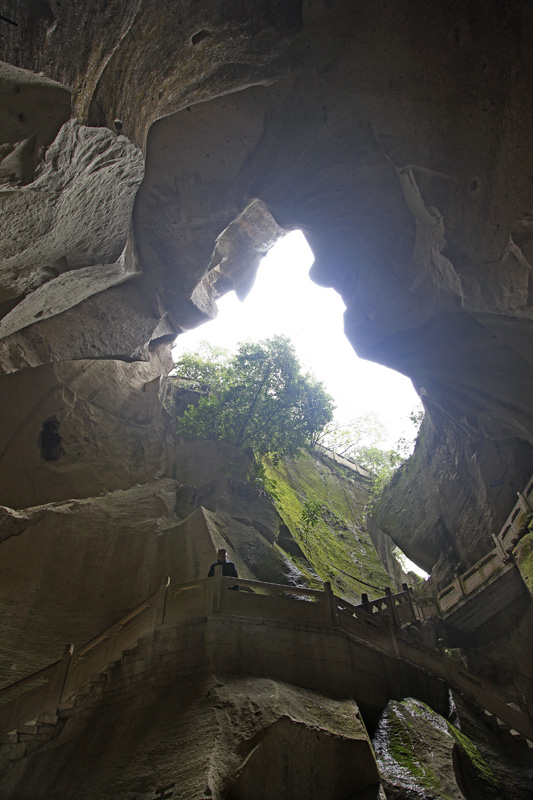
(204, 736)
(74, 214)
(33, 110)
(79, 566)
(397, 137)
(75, 429)
(478, 478)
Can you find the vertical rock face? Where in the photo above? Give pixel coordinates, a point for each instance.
(149, 154)
(479, 479)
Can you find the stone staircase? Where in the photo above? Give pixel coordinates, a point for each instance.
(146, 643)
(29, 737)
(496, 567)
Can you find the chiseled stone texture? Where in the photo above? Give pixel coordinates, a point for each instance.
(137, 61)
(397, 137)
(33, 110)
(448, 531)
(397, 169)
(79, 428)
(71, 569)
(74, 214)
(204, 737)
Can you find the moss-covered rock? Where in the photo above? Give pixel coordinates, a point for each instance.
(421, 755)
(523, 554)
(338, 546)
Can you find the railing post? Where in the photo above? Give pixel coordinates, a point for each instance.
(524, 502)
(390, 606)
(392, 633)
(527, 699)
(416, 611)
(365, 602)
(500, 548)
(56, 685)
(216, 606)
(160, 603)
(330, 606)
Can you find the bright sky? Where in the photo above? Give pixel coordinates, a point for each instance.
(284, 300)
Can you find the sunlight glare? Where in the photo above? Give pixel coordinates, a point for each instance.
(284, 300)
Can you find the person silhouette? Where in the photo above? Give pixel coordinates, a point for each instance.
(228, 567)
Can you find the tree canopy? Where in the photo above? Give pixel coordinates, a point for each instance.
(360, 441)
(257, 398)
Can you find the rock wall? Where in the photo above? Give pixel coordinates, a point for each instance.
(395, 166)
(149, 154)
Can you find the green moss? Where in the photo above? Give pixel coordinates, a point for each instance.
(418, 748)
(338, 546)
(523, 554)
(481, 769)
(403, 747)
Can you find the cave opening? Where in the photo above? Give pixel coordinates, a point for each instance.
(284, 300)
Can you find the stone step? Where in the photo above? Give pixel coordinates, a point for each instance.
(47, 720)
(30, 729)
(70, 711)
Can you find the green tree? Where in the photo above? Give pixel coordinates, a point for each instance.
(311, 514)
(258, 398)
(207, 366)
(360, 441)
(349, 438)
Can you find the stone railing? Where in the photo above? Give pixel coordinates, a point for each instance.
(401, 607)
(381, 633)
(212, 597)
(343, 461)
(496, 560)
(43, 692)
(37, 695)
(511, 528)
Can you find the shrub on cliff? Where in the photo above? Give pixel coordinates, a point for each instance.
(257, 398)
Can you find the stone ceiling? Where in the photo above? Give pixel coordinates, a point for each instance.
(153, 152)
